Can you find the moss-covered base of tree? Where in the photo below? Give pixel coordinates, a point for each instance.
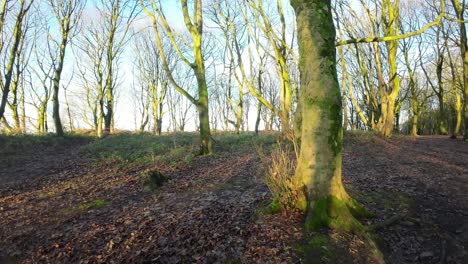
(358, 210)
(336, 214)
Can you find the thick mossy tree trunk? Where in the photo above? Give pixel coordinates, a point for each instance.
(319, 165)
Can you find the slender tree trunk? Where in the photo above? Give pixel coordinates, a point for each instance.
(465, 89)
(257, 121)
(56, 86)
(202, 102)
(414, 118)
(23, 111)
(458, 111)
(70, 120)
(203, 115)
(42, 118)
(160, 116)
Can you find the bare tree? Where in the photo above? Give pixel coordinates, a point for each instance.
(16, 38)
(194, 24)
(67, 14)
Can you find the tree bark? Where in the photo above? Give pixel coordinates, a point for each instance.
(464, 52)
(57, 76)
(319, 165)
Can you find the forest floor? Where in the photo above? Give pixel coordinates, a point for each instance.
(78, 199)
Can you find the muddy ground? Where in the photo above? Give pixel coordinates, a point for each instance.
(59, 206)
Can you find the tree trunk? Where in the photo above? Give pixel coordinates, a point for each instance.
(56, 86)
(202, 102)
(414, 105)
(464, 52)
(458, 111)
(442, 114)
(205, 135)
(387, 117)
(319, 165)
(465, 88)
(42, 118)
(110, 112)
(257, 121)
(56, 110)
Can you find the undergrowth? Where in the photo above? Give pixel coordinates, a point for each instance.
(280, 166)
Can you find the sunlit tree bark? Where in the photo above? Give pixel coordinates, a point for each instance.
(460, 11)
(320, 160)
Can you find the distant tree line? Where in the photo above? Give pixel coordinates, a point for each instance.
(401, 66)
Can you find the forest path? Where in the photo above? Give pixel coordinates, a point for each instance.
(75, 210)
(425, 181)
(28, 165)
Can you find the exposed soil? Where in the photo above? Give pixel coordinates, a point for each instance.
(57, 206)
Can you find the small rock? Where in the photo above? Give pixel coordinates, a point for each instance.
(407, 223)
(426, 255)
(458, 231)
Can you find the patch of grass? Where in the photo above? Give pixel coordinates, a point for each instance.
(272, 208)
(145, 148)
(389, 200)
(172, 149)
(275, 206)
(95, 204)
(238, 142)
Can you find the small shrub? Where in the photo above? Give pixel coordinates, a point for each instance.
(153, 179)
(280, 168)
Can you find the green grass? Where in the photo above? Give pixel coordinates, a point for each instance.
(172, 149)
(130, 148)
(95, 204)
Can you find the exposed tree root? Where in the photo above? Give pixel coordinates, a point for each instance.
(388, 222)
(342, 216)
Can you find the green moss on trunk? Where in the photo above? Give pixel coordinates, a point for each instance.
(334, 213)
(319, 165)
